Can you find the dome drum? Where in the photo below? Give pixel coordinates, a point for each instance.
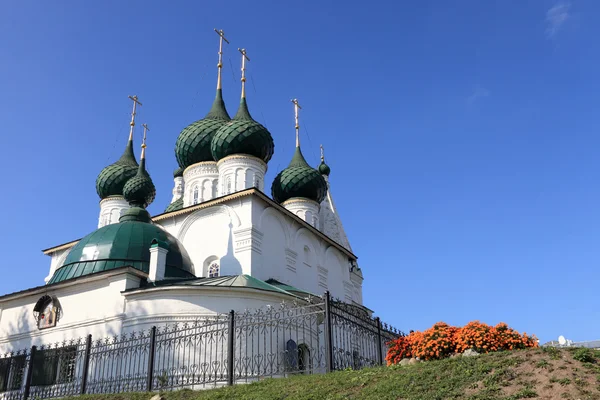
(305, 209)
(240, 171)
(201, 183)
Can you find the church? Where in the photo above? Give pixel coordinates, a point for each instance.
(221, 244)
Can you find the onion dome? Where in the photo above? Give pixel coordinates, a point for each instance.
(176, 205)
(126, 243)
(324, 168)
(194, 141)
(139, 191)
(299, 180)
(178, 173)
(112, 178)
(242, 135)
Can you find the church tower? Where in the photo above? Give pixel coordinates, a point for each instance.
(242, 148)
(300, 188)
(110, 181)
(193, 151)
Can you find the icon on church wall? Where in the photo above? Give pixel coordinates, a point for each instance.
(46, 312)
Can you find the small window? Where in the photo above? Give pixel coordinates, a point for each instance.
(195, 195)
(213, 270)
(228, 185)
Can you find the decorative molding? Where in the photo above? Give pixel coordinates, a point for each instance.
(243, 160)
(290, 257)
(248, 239)
(323, 273)
(201, 168)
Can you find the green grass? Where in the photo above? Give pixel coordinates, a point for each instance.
(504, 375)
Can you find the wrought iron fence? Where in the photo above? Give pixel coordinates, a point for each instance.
(317, 335)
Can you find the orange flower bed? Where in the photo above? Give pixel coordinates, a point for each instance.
(443, 340)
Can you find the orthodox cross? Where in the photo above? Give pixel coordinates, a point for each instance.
(220, 64)
(146, 129)
(296, 108)
(132, 123)
(244, 58)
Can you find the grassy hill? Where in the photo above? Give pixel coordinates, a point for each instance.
(544, 373)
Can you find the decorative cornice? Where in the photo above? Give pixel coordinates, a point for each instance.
(201, 168)
(300, 200)
(243, 158)
(112, 199)
(248, 239)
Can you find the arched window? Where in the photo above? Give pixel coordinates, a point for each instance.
(257, 182)
(195, 195)
(307, 256)
(213, 270)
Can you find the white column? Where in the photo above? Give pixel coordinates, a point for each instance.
(306, 209)
(241, 171)
(111, 210)
(201, 182)
(158, 261)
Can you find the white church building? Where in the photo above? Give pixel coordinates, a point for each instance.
(222, 244)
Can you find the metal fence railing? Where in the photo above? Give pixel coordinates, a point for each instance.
(317, 335)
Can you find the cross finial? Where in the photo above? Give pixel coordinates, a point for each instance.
(132, 123)
(146, 129)
(322, 154)
(220, 64)
(244, 58)
(296, 108)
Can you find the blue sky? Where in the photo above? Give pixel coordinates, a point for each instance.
(463, 136)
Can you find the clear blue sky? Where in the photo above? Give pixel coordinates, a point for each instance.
(463, 137)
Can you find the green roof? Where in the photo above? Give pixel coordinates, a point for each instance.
(286, 287)
(112, 178)
(176, 205)
(193, 143)
(242, 135)
(178, 173)
(232, 281)
(299, 180)
(126, 243)
(139, 191)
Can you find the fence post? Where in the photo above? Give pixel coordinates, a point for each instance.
(29, 373)
(86, 364)
(328, 334)
(379, 345)
(230, 347)
(151, 359)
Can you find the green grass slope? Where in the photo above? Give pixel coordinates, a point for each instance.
(544, 373)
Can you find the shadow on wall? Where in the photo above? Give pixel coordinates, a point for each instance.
(229, 264)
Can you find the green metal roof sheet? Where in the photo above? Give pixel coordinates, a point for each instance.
(176, 205)
(193, 143)
(124, 244)
(286, 287)
(242, 135)
(233, 281)
(112, 178)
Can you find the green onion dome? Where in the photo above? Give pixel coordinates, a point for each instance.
(324, 168)
(111, 179)
(126, 243)
(242, 135)
(139, 191)
(178, 173)
(176, 205)
(299, 180)
(193, 143)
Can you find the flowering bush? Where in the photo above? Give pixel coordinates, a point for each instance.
(436, 342)
(443, 340)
